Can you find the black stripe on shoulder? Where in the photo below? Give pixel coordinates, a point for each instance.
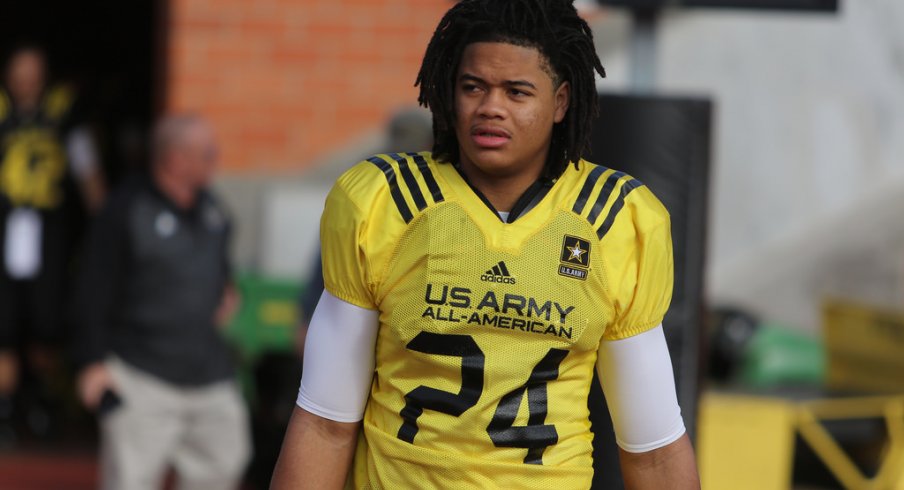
(410, 181)
(626, 189)
(393, 187)
(585, 190)
(428, 177)
(603, 197)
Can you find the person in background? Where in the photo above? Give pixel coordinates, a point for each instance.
(47, 160)
(154, 293)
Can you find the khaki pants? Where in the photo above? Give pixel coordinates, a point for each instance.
(202, 432)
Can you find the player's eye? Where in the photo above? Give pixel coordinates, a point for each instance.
(514, 92)
(469, 88)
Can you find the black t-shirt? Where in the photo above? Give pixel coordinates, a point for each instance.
(152, 277)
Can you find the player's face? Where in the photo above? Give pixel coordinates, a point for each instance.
(505, 106)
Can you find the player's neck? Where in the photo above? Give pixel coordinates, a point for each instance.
(501, 191)
(504, 199)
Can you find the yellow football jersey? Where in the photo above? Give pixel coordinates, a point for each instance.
(489, 330)
(33, 163)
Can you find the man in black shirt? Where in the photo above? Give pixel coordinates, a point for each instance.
(152, 294)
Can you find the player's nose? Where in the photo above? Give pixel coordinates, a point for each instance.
(492, 105)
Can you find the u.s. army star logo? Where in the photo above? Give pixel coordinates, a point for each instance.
(576, 251)
(575, 257)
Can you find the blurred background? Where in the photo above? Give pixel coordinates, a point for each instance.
(773, 130)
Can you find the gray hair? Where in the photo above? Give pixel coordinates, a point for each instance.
(169, 132)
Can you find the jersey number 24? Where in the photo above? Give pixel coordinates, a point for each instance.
(536, 436)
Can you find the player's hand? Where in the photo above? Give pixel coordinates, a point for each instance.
(93, 381)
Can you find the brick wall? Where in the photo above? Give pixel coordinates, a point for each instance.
(287, 81)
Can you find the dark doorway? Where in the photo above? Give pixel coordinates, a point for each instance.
(108, 50)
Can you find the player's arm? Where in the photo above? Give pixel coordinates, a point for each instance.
(672, 466)
(316, 453)
(636, 375)
(338, 370)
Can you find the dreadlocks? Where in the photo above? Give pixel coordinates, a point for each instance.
(550, 26)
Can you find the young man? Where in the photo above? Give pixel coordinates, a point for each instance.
(471, 292)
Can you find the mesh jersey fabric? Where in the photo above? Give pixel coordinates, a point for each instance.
(488, 330)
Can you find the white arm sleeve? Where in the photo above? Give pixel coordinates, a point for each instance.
(636, 376)
(338, 360)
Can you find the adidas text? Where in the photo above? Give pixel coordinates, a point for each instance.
(494, 278)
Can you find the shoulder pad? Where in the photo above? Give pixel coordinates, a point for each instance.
(602, 197)
(406, 176)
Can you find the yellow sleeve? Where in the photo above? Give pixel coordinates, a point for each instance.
(641, 275)
(343, 236)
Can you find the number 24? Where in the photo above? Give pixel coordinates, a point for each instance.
(536, 436)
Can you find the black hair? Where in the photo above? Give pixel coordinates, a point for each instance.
(554, 28)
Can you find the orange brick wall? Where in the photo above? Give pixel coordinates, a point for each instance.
(286, 81)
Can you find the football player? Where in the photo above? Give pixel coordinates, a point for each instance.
(471, 291)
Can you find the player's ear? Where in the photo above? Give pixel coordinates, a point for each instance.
(562, 98)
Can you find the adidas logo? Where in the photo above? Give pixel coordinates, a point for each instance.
(499, 273)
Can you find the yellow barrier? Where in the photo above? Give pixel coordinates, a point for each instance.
(864, 347)
(747, 442)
